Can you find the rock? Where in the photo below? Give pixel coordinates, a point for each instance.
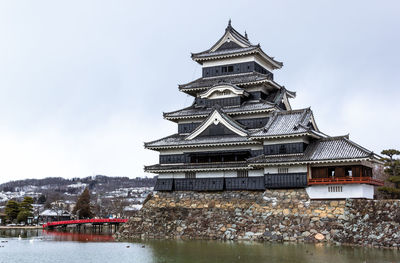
(319, 237)
(306, 234)
(286, 212)
(334, 203)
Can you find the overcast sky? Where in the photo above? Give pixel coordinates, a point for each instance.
(84, 83)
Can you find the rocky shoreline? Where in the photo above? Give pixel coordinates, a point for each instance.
(273, 215)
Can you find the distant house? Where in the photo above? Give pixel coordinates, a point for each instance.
(50, 215)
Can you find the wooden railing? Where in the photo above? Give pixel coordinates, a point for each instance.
(345, 180)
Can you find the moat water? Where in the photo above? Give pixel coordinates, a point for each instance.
(59, 247)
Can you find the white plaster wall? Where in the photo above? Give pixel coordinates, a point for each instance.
(230, 173)
(348, 191)
(171, 175)
(247, 58)
(253, 173)
(216, 174)
(228, 61)
(292, 169)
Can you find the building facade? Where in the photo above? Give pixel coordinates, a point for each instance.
(241, 133)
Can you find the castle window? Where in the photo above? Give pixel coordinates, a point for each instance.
(348, 171)
(230, 68)
(282, 149)
(190, 175)
(242, 174)
(283, 170)
(335, 189)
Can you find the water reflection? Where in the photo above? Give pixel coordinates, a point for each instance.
(57, 246)
(78, 236)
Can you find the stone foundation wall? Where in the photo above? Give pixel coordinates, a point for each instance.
(273, 215)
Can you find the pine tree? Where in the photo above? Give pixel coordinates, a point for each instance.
(392, 168)
(25, 209)
(82, 208)
(12, 210)
(26, 204)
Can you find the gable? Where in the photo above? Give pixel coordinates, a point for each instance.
(230, 40)
(217, 119)
(216, 130)
(228, 45)
(222, 91)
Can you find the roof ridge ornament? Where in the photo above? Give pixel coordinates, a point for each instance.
(245, 35)
(229, 23)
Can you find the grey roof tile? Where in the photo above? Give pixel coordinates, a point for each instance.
(180, 140)
(207, 53)
(331, 148)
(200, 111)
(285, 123)
(235, 79)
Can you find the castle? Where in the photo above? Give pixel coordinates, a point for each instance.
(241, 133)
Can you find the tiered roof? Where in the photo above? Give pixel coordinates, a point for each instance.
(289, 123)
(234, 44)
(180, 141)
(201, 112)
(244, 79)
(329, 149)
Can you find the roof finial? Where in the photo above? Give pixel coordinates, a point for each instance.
(229, 23)
(245, 35)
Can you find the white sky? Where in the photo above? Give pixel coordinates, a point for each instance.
(84, 83)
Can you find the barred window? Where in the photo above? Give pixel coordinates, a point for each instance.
(283, 170)
(335, 189)
(242, 174)
(190, 175)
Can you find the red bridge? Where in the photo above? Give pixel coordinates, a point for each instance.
(99, 221)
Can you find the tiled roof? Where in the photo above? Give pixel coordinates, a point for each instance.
(178, 140)
(235, 79)
(331, 148)
(286, 123)
(244, 48)
(206, 54)
(217, 111)
(193, 111)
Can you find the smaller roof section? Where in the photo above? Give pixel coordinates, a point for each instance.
(289, 123)
(233, 44)
(329, 149)
(223, 90)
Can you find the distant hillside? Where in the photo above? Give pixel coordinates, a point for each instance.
(98, 183)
